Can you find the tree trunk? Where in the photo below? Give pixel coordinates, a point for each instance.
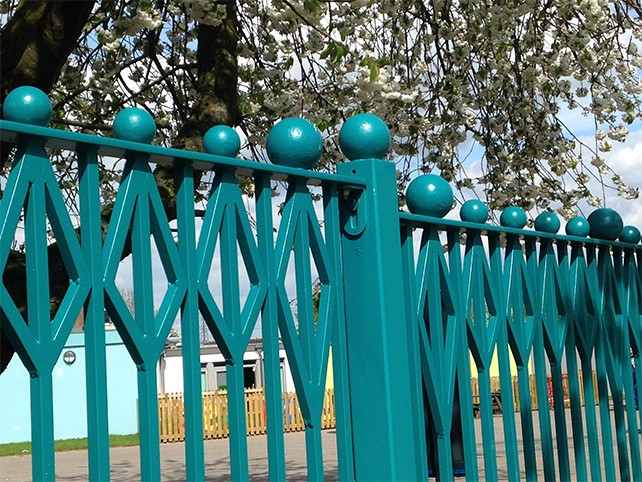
(216, 103)
(35, 44)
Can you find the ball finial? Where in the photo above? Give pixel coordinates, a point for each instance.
(222, 141)
(513, 217)
(429, 195)
(547, 222)
(578, 226)
(630, 234)
(474, 211)
(28, 105)
(294, 142)
(605, 224)
(364, 136)
(134, 124)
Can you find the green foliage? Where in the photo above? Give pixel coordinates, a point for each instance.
(443, 76)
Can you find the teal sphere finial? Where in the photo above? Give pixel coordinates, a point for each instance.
(28, 105)
(630, 234)
(605, 224)
(474, 211)
(547, 222)
(134, 124)
(222, 140)
(513, 217)
(430, 195)
(578, 226)
(364, 136)
(294, 142)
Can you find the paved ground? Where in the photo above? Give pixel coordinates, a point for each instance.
(72, 466)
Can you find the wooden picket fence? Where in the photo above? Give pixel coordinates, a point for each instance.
(495, 388)
(215, 421)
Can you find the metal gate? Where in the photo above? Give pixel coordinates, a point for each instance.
(408, 303)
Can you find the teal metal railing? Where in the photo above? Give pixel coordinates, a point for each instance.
(552, 305)
(92, 258)
(410, 303)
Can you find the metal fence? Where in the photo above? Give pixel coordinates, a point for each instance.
(405, 300)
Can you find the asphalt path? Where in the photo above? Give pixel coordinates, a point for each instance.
(72, 466)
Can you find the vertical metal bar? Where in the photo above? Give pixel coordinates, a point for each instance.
(569, 289)
(487, 425)
(579, 447)
(270, 331)
(305, 313)
(95, 355)
(408, 264)
(190, 333)
(589, 285)
(144, 315)
(508, 406)
(523, 378)
(377, 324)
(232, 313)
(520, 312)
(601, 351)
(591, 420)
(148, 419)
(551, 317)
(539, 356)
(42, 430)
(314, 451)
(605, 411)
(526, 416)
(236, 411)
(632, 310)
(339, 350)
(471, 466)
(615, 320)
(560, 422)
(463, 388)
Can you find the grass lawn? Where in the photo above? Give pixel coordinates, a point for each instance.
(22, 448)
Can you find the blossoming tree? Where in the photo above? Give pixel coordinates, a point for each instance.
(450, 78)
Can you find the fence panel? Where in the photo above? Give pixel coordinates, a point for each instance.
(562, 315)
(406, 300)
(215, 414)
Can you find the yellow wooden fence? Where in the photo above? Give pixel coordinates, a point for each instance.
(495, 387)
(215, 421)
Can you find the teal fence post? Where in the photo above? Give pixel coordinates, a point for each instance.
(381, 389)
(96, 355)
(190, 335)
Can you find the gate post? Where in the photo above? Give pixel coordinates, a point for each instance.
(379, 353)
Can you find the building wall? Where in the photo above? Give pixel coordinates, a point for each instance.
(170, 370)
(70, 402)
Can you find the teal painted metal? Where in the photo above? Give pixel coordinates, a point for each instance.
(32, 185)
(27, 105)
(409, 304)
(364, 136)
(474, 211)
(377, 335)
(430, 195)
(96, 362)
(190, 334)
(270, 332)
(605, 224)
(294, 142)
